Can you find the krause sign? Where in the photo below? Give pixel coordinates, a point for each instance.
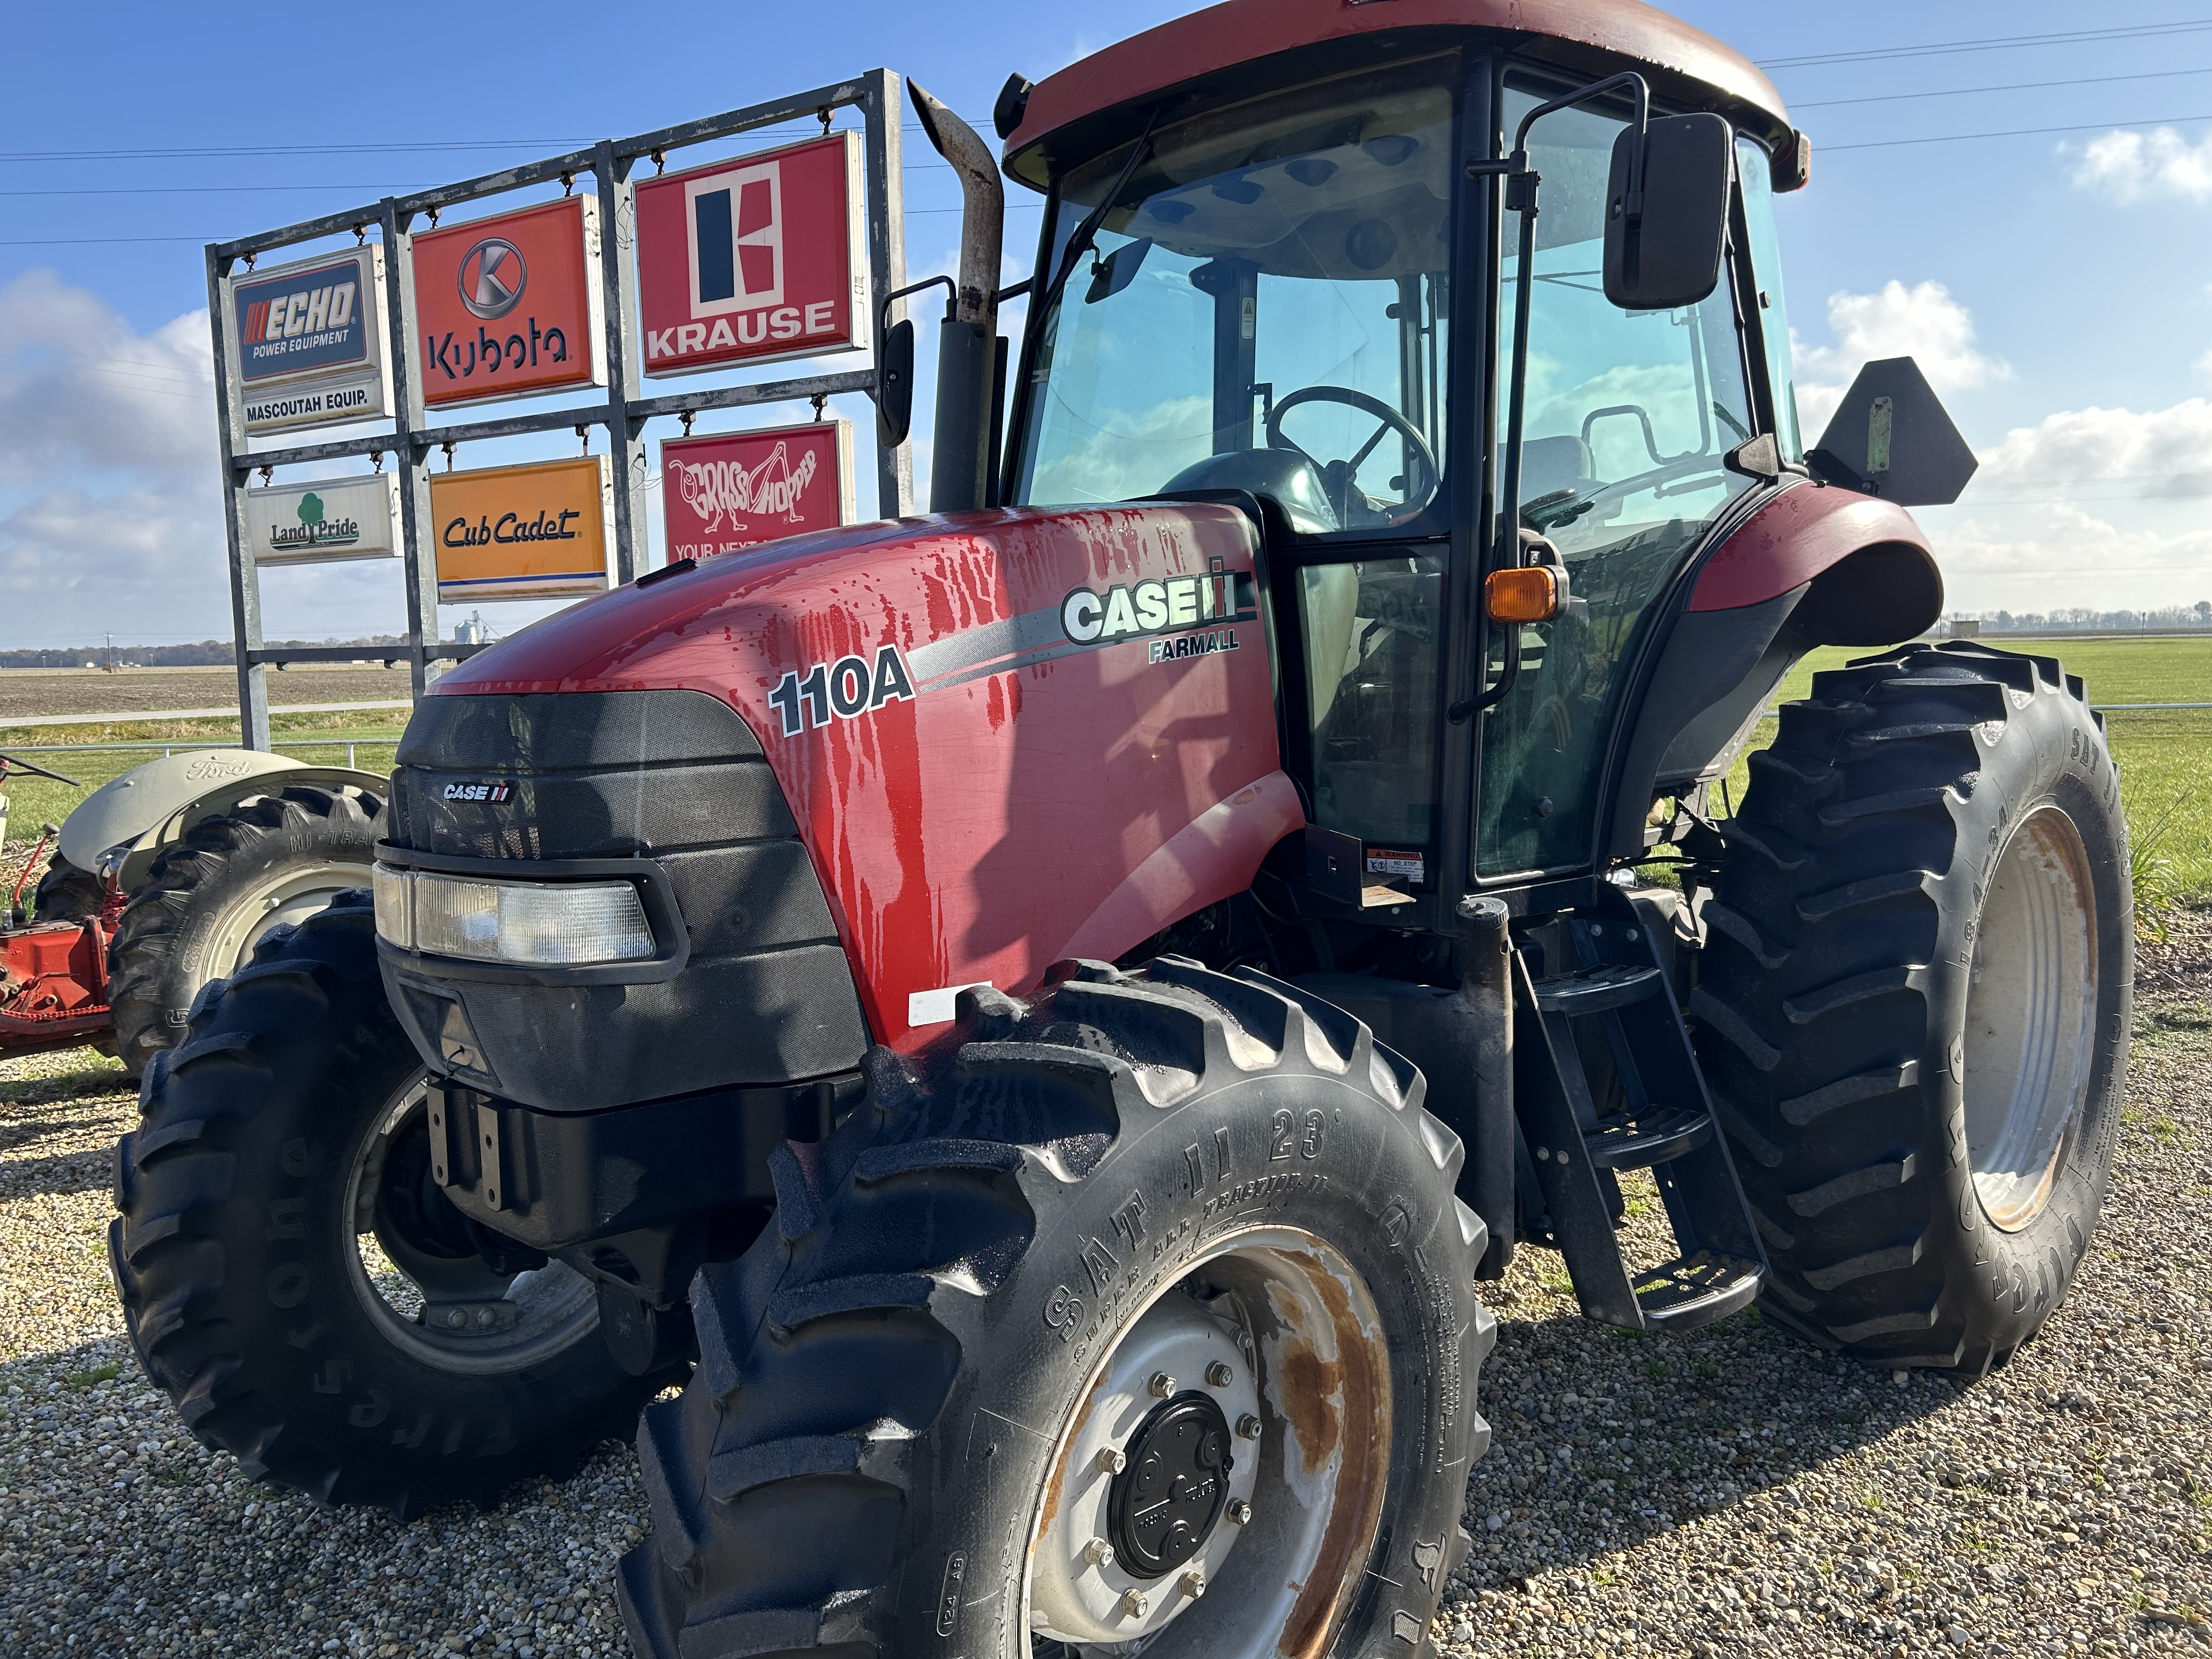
(510, 305)
(307, 341)
(523, 532)
(753, 259)
(740, 488)
(321, 523)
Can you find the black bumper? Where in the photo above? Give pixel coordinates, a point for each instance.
(674, 784)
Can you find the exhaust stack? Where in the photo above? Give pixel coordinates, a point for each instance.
(968, 343)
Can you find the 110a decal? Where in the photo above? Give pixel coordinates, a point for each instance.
(844, 689)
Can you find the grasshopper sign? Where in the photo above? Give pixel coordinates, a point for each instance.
(753, 259)
(322, 523)
(523, 532)
(510, 305)
(738, 489)
(307, 341)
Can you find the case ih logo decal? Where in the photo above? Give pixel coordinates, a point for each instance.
(844, 691)
(1089, 617)
(491, 792)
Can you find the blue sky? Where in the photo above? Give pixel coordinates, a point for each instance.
(2055, 284)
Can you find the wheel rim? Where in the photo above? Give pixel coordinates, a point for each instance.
(409, 1255)
(1278, 1337)
(290, 895)
(2031, 1017)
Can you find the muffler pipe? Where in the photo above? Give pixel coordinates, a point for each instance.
(967, 363)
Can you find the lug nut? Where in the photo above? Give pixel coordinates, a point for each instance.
(1219, 1374)
(1194, 1585)
(1247, 1426)
(1098, 1552)
(1161, 1385)
(1110, 1460)
(1135, 1604)
(1240, 1512)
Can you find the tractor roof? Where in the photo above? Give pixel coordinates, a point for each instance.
(1072, 116)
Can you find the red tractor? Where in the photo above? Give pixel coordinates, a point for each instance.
(1038, 1017)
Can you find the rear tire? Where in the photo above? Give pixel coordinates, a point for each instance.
(67, 894)
(1915, 998)
(277, 1141)
(230, 881)
(888, 1444)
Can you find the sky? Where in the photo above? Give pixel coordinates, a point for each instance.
(2031, 221)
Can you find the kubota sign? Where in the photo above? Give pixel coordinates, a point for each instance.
(307, 341)
(523, 532)
(510, 305)
(738, 489)
(753, 259)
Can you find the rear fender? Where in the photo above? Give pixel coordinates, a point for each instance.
(1815, 565)
(150, 807)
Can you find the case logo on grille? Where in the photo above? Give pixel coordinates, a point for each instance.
(492, 792)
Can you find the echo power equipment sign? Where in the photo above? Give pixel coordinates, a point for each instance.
(510, 305)
(738, 489)
(754, 259)
(307, 341)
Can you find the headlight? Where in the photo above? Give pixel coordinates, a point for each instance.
(544, 923)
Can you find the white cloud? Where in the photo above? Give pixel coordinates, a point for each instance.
(79, 385)
(2135, 167)
(2168, 450)
(1922, 322)
(2056, 556)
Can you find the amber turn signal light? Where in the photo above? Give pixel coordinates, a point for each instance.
(1529, 593)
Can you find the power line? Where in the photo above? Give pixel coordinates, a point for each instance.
(1899, 97)
(2015, 132)
(1942, 48)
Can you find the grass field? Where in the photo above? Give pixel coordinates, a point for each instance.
(2165, 755)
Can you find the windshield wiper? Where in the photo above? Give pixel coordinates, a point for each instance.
(1079, 244)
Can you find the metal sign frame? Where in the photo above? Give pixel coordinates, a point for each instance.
(625, 410)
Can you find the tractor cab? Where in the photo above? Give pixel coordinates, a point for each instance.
(1309, 294)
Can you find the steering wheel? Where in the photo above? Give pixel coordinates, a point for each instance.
(1337, 476)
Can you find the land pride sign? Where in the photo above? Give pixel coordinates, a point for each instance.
(307, 341)
(321, 523)
(753, 259)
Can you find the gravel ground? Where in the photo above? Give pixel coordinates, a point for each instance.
(1727, 1493)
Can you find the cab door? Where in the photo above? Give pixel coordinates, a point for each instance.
(1630, 416)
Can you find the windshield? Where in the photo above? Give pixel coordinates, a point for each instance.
(1263, 307)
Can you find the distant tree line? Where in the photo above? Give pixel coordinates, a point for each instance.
(2171, 617)
(204, 654)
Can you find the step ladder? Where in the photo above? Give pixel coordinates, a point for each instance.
(1614, 999)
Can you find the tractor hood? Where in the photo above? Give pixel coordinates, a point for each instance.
(1006, 737)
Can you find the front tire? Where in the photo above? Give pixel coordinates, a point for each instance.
(304, 1293)
(1196, 1223)
(230, 882)
(1914, 1000)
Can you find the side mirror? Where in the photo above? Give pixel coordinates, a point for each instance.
(1664, 243)
(894, 384)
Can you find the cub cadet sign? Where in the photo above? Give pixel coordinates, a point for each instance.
(523, 532)
(510, 305)
(306, 341)
(322, 523)
(753, 259)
